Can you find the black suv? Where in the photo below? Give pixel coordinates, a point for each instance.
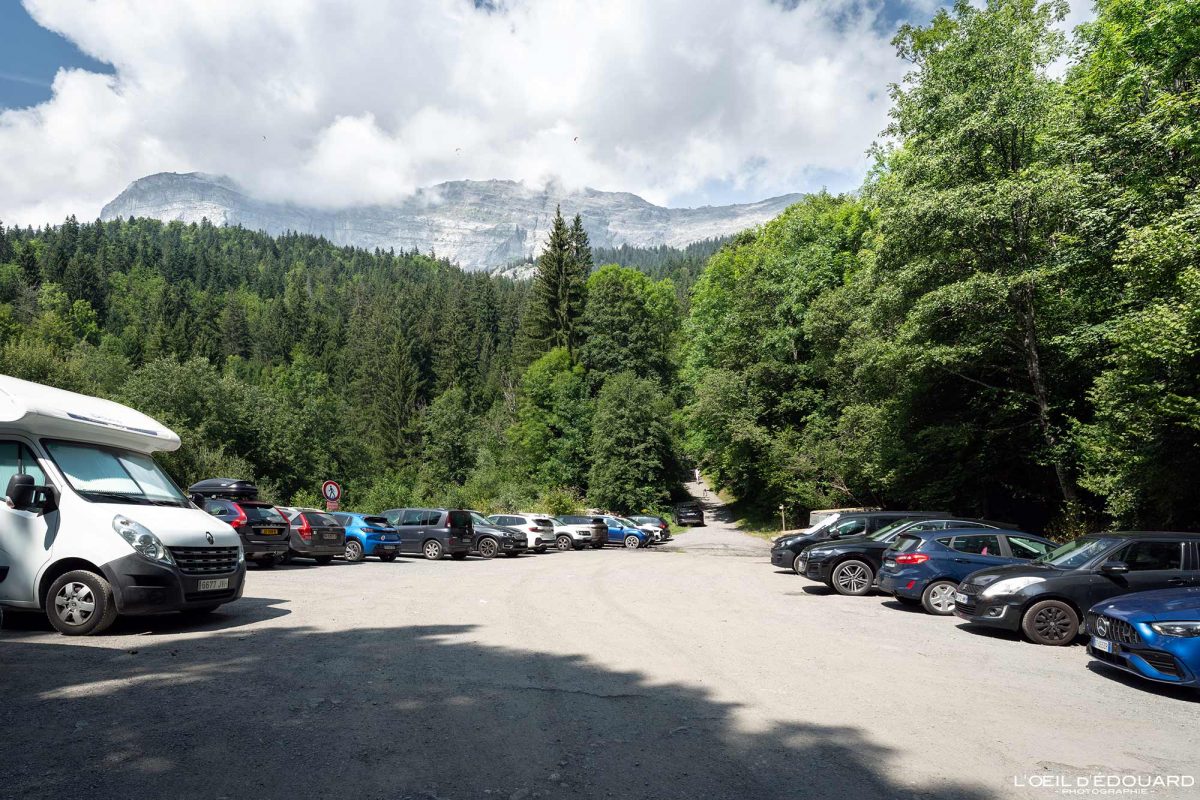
(787, 549)
(261, 526)
(491, 539)
(1047, 599)
(849, 566)
(433, 532)
(689, 514)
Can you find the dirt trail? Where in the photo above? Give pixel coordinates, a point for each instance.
(718, 536)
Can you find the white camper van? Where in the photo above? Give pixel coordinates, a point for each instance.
(91, 526)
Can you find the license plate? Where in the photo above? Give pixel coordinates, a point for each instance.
(331, 537)
(269, 531)
(1103, 645)
(213, 584)
(959, 597)
(387, 548)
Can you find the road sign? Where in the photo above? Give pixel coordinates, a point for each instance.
(331, 491)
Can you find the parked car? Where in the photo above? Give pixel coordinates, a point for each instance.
(626, 533)
(926, 566)
(655, 524)
(261, 526)
(368, 535)
(689, 514)
(313, 534)
(595, 528)
(1154, 635)
(433, 532)
(539, 528)
(850, 566)
(1046, 600)
(93, 527)
(819, 515)
(491, 540)
(786, 550)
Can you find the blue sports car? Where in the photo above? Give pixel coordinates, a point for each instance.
(1155, 635)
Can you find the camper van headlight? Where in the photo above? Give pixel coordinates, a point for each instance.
(142, 540)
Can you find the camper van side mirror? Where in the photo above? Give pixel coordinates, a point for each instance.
(20, 491)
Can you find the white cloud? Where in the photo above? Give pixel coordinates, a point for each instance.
(334, 103)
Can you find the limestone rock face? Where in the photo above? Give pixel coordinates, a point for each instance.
(477, 224)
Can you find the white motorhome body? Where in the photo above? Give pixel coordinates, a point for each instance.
(91, 526)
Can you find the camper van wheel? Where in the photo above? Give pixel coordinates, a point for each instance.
(80, 603)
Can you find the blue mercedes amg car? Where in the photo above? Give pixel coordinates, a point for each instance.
(1155, 635)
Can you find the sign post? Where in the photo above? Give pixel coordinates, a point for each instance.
(332, 492)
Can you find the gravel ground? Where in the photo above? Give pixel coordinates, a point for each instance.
(695, 670)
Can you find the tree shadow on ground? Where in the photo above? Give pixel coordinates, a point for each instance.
(403, 712)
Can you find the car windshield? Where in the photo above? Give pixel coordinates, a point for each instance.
(628, 523)
(479, 519)
(1076, 553)
(110, 475)
(885, 533)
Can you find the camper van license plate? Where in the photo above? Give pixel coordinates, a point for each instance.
(214, 583)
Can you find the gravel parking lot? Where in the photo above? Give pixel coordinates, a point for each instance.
(695, 670)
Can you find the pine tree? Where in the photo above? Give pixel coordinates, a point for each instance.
(557, 297)
(581, 263)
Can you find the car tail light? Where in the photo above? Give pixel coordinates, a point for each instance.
(305, 530)
(241, 518)
(534, 529)
(912, 558)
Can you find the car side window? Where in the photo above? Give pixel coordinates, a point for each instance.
(16, 459)
(978, 544)
(1146, 556)
(412, 516)
(431, 518)
(1027, 548)
(216, 508)
(849, 527)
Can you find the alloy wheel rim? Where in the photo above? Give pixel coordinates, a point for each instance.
(631, 542)
(432, 549)
(942, 597)
(487, 548)
(75, 604)
(564, 543)
(852, 578)
(1052, 623)
(352, 549)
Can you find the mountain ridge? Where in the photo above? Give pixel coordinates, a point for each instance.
(477, 224)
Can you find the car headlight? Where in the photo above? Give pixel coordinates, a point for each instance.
(241, 552)
(1009, 586)
(142, 540)
(1189, 629)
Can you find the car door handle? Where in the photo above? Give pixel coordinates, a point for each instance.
(1175, 581)
(963, 560)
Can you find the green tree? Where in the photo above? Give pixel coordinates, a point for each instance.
(557, 297)
(630, 324)
(633, 464)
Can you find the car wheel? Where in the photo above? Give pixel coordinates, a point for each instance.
(598, 546)
(563, 543)
(80, 603)
(267, 563)
(459, 556)
(796, 564)
(286, 558)
(389, 558)
(324, 560)
(433, 550)
(632, 542)
(512, 555)
(853, 578)
(541, 549)
(1051, 622)
(354, 550)
(938, 598)
(488, 548)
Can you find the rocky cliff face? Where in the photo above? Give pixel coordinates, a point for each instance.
(478, 224)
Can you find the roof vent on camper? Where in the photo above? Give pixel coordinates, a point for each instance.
(224, 488)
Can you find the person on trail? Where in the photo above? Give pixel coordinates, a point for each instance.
(697, 474)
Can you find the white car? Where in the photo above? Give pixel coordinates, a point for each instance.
(573, 533)
(92, 527)
(538, 528)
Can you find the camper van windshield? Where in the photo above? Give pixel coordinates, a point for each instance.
(108, 475)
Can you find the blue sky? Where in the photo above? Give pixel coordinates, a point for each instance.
(334, 104)
(30, 55)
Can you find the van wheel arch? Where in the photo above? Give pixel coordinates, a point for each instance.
(60, 568)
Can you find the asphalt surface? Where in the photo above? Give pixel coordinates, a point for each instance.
(694, 670)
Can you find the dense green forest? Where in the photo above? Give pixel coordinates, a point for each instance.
(1003, 321)
(1006, 319)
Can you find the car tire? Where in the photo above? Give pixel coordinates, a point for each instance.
(323, 560)
(598, 546)
(389, 558)
(852, 578)
(488, 547)
(512, 555)
(1051, 622)
(267, 563)
(354, 551)
(80, 603)
(796, 564)
(632, 542)
(432, 550)
(459, 556)
(286, 558)
(938, 598)
(564, 543)
(541, 549)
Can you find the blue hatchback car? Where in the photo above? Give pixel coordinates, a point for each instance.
(1155, 635)
(926, 566)
(369, 535)
(626, 533)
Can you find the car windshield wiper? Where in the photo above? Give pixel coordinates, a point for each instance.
(117, 497)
